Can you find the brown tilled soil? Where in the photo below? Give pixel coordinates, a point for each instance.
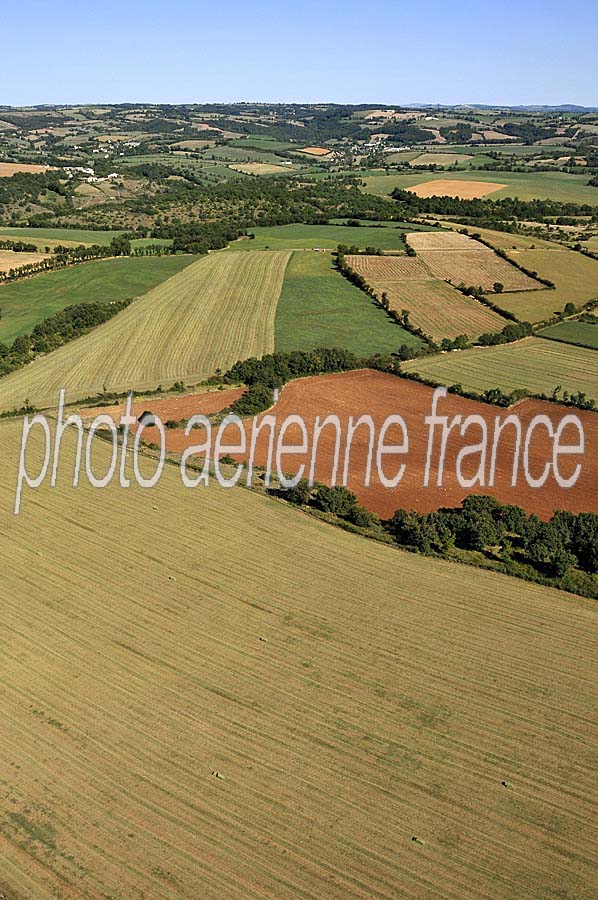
(366, 392)
(173, 408)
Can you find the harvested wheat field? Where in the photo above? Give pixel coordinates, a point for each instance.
(533, 364)
(442, 240)
(11, 260)
(399, 267)
(474, 267)
(366, 392)
(258, 168)
(465, 190)
(7, 169)
(459, 258)
(575, 277)
(216, 311)
(199, 730)
(315, 151)
(434, 306)
(439, 309)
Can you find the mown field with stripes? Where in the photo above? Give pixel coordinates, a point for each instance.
(216, 311)
(178, 718)
(535, 364)
(435, 306)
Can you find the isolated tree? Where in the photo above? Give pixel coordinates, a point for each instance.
(498, 287)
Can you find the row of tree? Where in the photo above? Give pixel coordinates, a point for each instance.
(563, 550)
(55, 331)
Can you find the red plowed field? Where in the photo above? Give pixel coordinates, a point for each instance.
(175, 408)
(379, 395)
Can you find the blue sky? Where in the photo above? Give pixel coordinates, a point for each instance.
(351, 52)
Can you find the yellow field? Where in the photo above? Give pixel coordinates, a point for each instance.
(436, 307)
(315, 151)
(505, 241)
(388, 267)
(458, 258)
(473, 267)
(534, 364)
(575, 277)
(442, 240)
(216, 311)
(466, 190)
(439, 159)
(258, 168)
(351, 697)
(7, 169)
(11, 260)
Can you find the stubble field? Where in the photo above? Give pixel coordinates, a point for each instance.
(341, 728)
(535, 364)
(216, 311)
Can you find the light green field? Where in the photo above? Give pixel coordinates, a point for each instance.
(533, 186)
(575, 277)
(241, 154)
(584, 334)
(202, 167)
(534, 364)
(68, 235)
(151, 242)
(257, 141)
(318, 307)
(308, 237)
(25, 303)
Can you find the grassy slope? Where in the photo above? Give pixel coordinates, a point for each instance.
(541, 185)
(216, 311)
(25, 303)
(319, 308)
(305, 237)
(582, 333)
(391, 696)
(534, 364)
(575, 277)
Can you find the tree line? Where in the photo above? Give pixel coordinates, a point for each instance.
(55, 331)
(562, 551)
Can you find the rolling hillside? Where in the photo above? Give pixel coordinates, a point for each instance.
(216, 311)
(271, 730)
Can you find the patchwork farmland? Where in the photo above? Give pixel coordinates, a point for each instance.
(461, 259)
(216, 311)
(282, 737)
(533, 364)
(319, 308)
(434, 306)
